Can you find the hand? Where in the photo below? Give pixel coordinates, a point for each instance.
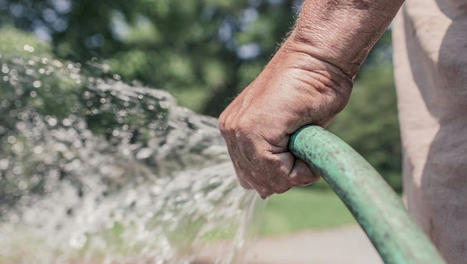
(294, 89)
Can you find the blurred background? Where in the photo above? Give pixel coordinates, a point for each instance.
(204, 52)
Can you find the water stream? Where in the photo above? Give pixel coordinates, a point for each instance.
(94, 170)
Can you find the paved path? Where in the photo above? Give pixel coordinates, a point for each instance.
(337, 246)
(346, 245)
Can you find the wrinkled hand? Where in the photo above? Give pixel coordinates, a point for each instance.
(294, 89)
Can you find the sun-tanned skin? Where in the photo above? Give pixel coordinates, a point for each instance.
(308, 81)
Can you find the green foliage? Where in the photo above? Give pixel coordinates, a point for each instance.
(40, 91)
(179, 45)
(33, 77)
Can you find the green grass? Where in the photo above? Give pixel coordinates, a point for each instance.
(301, 208)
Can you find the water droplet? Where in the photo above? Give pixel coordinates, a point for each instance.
(4, 164)
(57, 63)
(105, 67)
(66, 122)
(37, 84)
(144, 153)
(38, 149)
(22, 185)
(5, 68)
(77, 240)
(83, 171)
(11, 139)
(18, 147)
(17, 170)
(28, 48)
(52, 121)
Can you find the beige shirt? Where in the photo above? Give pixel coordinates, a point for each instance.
(430, 59)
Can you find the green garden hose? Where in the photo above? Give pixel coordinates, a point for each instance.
(373, 203)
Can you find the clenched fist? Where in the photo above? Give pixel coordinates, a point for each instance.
(293, 90)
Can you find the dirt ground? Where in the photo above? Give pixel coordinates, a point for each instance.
(347, 245)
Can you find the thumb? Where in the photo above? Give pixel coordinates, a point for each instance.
(302, 174)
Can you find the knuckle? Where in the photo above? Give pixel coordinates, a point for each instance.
(295, 180)
(242, 131)
(243, 124)
(279, 182)
(264, 193)
(281, 188)
(222, 122)
(305, 181)
(275, 164)
(239, 133)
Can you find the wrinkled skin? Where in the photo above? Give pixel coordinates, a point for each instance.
(308, 81)
(293, 90)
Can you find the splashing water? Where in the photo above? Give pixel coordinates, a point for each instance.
(97, 171)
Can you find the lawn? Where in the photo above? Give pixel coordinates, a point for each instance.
(302, 208)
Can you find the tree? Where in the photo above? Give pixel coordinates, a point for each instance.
(202, 51)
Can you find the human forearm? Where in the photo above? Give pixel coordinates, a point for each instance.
(341, 32)
(308, 81)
